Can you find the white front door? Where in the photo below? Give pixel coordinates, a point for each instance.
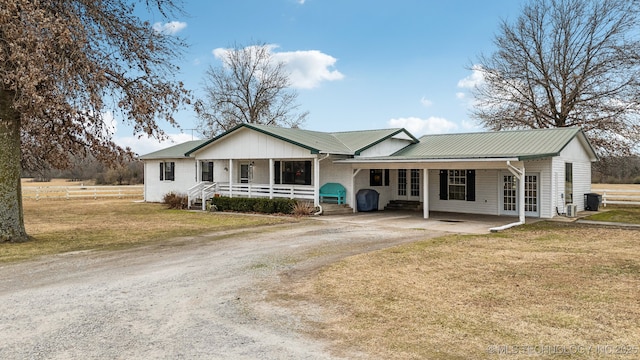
(409, 184)
(509, 195)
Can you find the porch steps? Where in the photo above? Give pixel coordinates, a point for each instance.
(335, 209)
(403, 205)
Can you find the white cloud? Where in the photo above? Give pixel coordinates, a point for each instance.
(426, 102)
(110, 124)
(419, 127)
(307, 68)
(301, 2)
(460, 95)
(170, 28)
(476, 78)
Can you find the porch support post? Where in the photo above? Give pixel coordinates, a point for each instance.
(521, 207)
(353, 190)
(230, 177)
(271, 176)
(425, 193)
(316, 181)
(198, 171)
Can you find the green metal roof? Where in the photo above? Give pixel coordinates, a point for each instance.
(521, 144)
(346, 143)
(174, 152)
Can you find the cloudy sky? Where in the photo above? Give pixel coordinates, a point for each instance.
(356, 64)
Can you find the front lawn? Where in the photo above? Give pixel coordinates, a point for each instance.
(74, 225)
(534, 291)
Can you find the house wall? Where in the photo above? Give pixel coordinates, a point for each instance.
(487, 195)
(574, 153)
(385, 148)
(154, 189)
(250, 144)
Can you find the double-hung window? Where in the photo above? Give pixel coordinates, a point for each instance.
(207, 171)
(168, 171)
(458, 185)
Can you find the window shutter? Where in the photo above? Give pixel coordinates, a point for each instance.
(307, 172)
(161, 171)
(444, 182)
(471, 185)
(276, 172)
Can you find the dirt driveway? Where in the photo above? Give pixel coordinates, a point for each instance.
(191, 298)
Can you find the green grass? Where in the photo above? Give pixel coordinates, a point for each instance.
(630, 215)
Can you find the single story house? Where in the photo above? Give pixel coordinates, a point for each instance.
(533, 173)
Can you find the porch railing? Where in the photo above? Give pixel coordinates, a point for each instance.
(201, 191)
(304, 192)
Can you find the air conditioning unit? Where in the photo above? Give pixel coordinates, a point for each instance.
(572, 210)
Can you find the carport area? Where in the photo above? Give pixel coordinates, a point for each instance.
(437, 221)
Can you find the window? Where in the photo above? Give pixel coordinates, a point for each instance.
(167, 171)
(568, 183)
(402, 182)
(207, 171)
(458, 185)
(378, 177)
(415, 182)
(292, 172)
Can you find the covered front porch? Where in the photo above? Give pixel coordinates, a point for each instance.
(257, 178)
(473, 186)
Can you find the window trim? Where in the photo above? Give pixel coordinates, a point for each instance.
(469, 184)
(167, 173)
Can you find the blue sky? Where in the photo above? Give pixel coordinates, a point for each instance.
(355, 64)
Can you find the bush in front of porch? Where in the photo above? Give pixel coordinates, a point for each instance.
(260, 205)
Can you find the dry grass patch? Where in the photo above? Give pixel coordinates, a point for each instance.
(455, 297)
(62, 226)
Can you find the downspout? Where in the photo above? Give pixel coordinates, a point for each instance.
(519, 174)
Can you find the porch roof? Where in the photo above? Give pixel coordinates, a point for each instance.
(488, 146)
(342, 143)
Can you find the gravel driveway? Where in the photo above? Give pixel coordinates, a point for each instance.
(191, 298)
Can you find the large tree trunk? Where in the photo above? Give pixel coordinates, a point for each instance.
(11, 214)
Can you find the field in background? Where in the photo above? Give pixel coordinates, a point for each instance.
(62, 189)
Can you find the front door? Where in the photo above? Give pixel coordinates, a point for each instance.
(245, 173)
(409, 184)
(510, 195)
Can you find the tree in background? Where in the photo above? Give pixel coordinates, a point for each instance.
(249, 87)
(566, 63)
(63, 63)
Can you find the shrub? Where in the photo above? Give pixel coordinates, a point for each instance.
(176, 201)
(261, 205)
(303, 208)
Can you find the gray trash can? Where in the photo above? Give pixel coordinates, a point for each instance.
(367, 200)
(592, 201)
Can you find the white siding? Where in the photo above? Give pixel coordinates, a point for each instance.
(385, 148)
(545, 185)
(487, 195)
(250, 144)
(154, 189)
(575, 153)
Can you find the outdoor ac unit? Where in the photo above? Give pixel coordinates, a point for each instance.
(572, 210)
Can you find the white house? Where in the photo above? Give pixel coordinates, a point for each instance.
(534, 173)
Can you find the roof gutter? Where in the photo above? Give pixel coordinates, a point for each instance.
(419, 160)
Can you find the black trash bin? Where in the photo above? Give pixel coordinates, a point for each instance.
(367, 200)
(592, 201)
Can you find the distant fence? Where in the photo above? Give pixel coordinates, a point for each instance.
(620, 197)
(82, 192)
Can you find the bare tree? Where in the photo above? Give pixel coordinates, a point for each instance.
(249, 87)
(566, 63)
(62, 64)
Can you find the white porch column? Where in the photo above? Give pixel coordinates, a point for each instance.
(425, 193)
(353, 190)
(316, 181)
(271, 176)
(230, 177)
(198, 171)
(521, 208)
